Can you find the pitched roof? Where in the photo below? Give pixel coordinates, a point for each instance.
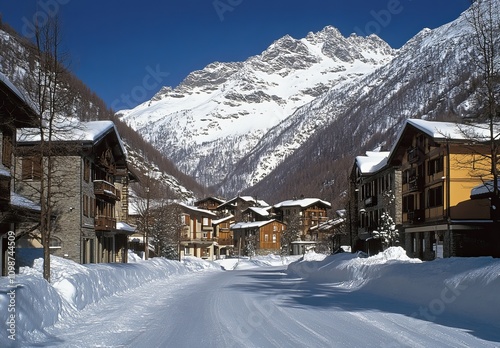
(196, 209)
(262, 211)
(254, 224)
(303, 203)
(218, 200)
(372, 162)
(439, 132)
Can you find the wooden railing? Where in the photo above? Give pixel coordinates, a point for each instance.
(105, 223)
(106, 189)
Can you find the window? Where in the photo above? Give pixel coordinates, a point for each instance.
(85, 205)
(274, 237)
(435, 197)
(409, 203)
(266, 237)
(31, 168)
(205, 221)
(86, 170)
(435, 165)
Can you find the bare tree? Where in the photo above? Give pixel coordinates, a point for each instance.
(484, 17)
(45, 88)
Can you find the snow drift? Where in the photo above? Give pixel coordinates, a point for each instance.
(467, 287)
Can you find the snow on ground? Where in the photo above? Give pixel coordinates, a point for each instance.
(244, 262)
(453, 288)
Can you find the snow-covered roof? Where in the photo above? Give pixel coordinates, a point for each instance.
(450, 130)
(372, 162)
(439, 132)
(216, 222)
(258, 202)
(303, 203)
(19, 201)
(74, 130)
(196, 209)
(262, 211)
(123, 226)
(254, 224)
(218, 200)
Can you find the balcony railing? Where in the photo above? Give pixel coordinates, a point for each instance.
(105, 223)
(416, 216)
(106, 189)
(199, 240)
(416, 183)
(225, 241)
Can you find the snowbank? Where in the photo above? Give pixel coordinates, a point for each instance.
(39, 304)
(463, 286)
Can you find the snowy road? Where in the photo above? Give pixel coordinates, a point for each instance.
(256, 308)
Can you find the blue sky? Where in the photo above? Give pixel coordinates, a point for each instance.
(126, 50)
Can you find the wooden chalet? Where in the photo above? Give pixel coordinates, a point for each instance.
(258, 237)
(89, 159)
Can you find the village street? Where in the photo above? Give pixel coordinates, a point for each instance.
(259, 307)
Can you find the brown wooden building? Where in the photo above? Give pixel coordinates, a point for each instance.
(259, 237)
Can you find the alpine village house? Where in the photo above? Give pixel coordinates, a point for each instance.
(441, 188)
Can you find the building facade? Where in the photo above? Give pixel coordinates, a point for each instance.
(439, 166)
(87, 161)
(375, 189)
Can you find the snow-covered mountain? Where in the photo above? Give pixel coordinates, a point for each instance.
(308, 105)
(216, 116)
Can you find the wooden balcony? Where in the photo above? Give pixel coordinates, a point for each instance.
(106, 190)
(225, 241)
(187, 239)
(415, 183)
(105, 223)
(416, 216)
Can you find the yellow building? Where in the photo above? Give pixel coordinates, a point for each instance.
(440, 166)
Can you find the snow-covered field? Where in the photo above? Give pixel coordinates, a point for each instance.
(456, 299)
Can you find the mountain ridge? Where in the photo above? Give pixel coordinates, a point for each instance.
(217, 115)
